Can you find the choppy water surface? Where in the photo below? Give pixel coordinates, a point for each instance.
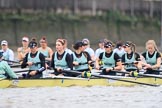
(79, 97)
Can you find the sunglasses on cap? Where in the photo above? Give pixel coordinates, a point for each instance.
(108, 45)
(126, 45)
(61, 41)
(32, 44)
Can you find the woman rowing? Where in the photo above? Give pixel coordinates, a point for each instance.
(119, 49)
(61, 59)
(152, 58)
(111, 61)
(88, 49)
(101, 48)
(8, 54)
(81, 59)
(35, 60)
(5, 70)
(131, 59)
(22, 51)
(45, 50)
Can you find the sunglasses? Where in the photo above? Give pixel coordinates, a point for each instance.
(24, 41)
(3, 45)
(60, 40)
(107, 46)
(126, 46)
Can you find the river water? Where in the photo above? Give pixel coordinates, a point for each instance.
(82, 97)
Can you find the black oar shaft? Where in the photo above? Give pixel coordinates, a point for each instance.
(11, 61)
(21, 71)
(150, 75)
(125, 80)
(139, 74)
(18, 65)
(108, 77)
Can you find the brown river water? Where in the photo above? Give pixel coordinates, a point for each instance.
(82, 97)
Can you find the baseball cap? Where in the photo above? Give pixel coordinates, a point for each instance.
(78, 44)
(85, 41)
(127, 44)
(25, 39)
(119, 44)
(32, 44)
(4, 42)
(108, 44)
(101, 41)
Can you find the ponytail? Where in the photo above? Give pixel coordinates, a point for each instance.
(133, 47)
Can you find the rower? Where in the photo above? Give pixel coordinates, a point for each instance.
(8, 54)
(152, 58)
(81, 59)
(45, 50)
(5, 70)
(101, 48)
(61, 59)
(87, 48)
(35, 60)
(119, 49)
(22, 51)
(111, 61)
(131, 58)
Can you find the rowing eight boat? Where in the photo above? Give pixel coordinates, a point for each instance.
(71, 81)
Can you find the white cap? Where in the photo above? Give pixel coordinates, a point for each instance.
(25, 39)
(85, 41)
(4, 42)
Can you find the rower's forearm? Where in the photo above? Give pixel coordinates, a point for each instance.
(155, 66)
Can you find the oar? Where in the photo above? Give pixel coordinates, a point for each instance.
(19, 65)
(140, 74)
(11, 61)
(109, 77)
(65, 77)
(156, 70)
(19, 71)
(129, 63)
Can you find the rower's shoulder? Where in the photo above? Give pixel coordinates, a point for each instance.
(10, 50)
(39, 48)
(49, 48)
(4, 62)
(19, 49)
